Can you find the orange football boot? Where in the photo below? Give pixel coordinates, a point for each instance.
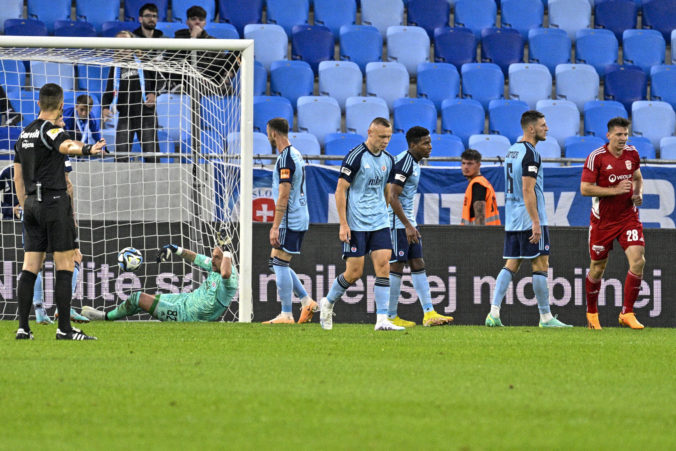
(629, 320)
(593, 321)
(280, 319)
(307, 312)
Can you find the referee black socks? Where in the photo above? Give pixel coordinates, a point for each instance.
(62, 297)
(24, 292)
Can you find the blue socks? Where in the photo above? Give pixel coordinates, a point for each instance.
(76, 271)
(38, 294)
(501, 284)
(541, 291)
(284, 283)
(340, 285)
(395, 291)
(422, 287)
(298, 288)
(382, 294)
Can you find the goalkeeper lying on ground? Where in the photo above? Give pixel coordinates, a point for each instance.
(206, 303)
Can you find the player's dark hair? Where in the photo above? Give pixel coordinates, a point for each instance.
(51, 95)
(196, 11)
(471, 155)
(148, 7)
(529, 117)
(84, 99)
(415, 134)
(380, 121)
(618, 122)
(280, 125)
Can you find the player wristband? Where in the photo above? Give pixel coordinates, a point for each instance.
(87, 149)
(179, 251)
(227, 254)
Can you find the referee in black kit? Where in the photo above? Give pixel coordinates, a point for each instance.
(49, 226)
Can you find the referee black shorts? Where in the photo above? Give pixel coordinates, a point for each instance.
(49, 225)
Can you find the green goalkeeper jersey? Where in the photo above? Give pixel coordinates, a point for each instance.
(211, 299)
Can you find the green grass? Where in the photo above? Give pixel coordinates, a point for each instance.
(234, 386)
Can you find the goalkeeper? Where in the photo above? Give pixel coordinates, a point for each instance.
(206, 303)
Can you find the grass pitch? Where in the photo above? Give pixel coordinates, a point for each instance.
(249, 386)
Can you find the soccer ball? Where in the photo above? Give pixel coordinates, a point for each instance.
(129, 259)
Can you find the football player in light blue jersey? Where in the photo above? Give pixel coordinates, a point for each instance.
(526, 234)
(406, 239)
(364, 222)
(290, 223)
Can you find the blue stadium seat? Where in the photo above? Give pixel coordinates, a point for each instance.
(462, 118)
(270, 42)
(269, 107)
(340, 80)
(387, 80)
(397, 144)
(569, 15)
(361, 44)
(428, 14)
(615, 15)
(597, 113)
(132, 7)
(288, 13)
(261, 144)
(625, 83)
(12, 76)
(668, 148)
(409, 46)
(581, 146)
(438, 81)
(409, 112)
(340, 144)
(673, 46)
(111, 28)
(653, 120)
(529, 82)
(455, 46)
(318, 115)
(48, 11)
(382, 14)
(92, 78)
(240, 13)
(333, 14)
(306, 143)
(522, 15)
(475, 15)
(260, 79)
(548, 46)
(214, 112)
(222, 30)
(483, 82)
(445, 145)
(360, 111)
(562, 116)
(8, 137)
(28, 105)
(504, 118)
(172, 110)
(659, 15)
(490, 146)
(180, 7)
(643, 145)
(502, 46)
(169, 28)
(62, 74)
(596, 47)
(291, 79)
(312, 43)
(25, 27)
(643, 48)
(96, 13)
(74, 28)
(549, 148)
(663, 83)
(11, 9)
(578, 83)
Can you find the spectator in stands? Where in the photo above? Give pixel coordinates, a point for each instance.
(147, 17)
(80, 122)
(10, 203)
(7, 114)
(480, 206)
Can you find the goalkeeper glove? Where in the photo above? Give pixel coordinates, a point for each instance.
(167, 250)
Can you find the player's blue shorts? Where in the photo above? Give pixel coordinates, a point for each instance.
(518, 246)
(290, 240)
(402, 250)
(362, 243)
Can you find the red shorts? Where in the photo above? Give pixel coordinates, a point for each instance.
(602, 235)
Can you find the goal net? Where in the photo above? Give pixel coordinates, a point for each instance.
(177, 119)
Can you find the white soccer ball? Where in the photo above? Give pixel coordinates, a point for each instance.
(129, 259)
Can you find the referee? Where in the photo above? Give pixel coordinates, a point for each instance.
(49, 226)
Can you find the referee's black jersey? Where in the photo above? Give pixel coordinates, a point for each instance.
(37, 150)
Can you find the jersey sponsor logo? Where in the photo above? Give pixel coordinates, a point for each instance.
(346, 171)
(598, 249)
(263, 205)
(375, 181)
(285, 173)
(30, 135)
(400, 177)
(612, 178)
(627, 163)
(27, 145)
(53, 133)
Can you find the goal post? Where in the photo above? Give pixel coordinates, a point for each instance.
(188, 176)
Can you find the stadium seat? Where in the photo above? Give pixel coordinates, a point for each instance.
(504, 118)
(12, 76)
(490, 146)
(548, 46)
(222, 30)
(312, 44)
(25, 27)
(597, 113)
(549, 148)
(643, 145)
(180, 7)
(502, 46)
(673, 46)
(28, 105)
(268, 107)
(8, 137)
(74, 28)
(333, 14)
(318, 115)
(360, 111)
(438, 81)
(306, 143)
(340, 144)
(173, 110)
(239, 13)
(668, 148)
(382, 14)
(214, 112)
(387, 80)
(596, 47)
(96, 13)
(291, 79)
(409, 46)
(428, 14)
(653, 120)
(483, 82)
(48, 11)
(659, 15)
(455, 46)
(340, 80)
(361, 44)
(132, 7)
(462, 118)
(92, 78)
(581, 146)
(43, 72)
(578, 83)
(615, 15)
(529, 82)
(261, 144)
(445, 145)
(169, 29)
(111, 28)
(569, 15)
(288, 13)
(643, 48)
(397, 144)
(408, 112)
(663, 84)
(625, 83)
(11, 9)
(522, 15)
(260, 79)
(270, 42)
(562, 116)
(475, 15)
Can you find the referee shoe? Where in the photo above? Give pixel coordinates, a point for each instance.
(75, 334)
(24, 335)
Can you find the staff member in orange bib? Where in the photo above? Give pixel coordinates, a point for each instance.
(480, 206)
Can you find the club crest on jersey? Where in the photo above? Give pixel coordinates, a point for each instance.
(627, 163)
(383, 168)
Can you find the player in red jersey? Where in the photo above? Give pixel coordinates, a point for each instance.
(612, 176)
